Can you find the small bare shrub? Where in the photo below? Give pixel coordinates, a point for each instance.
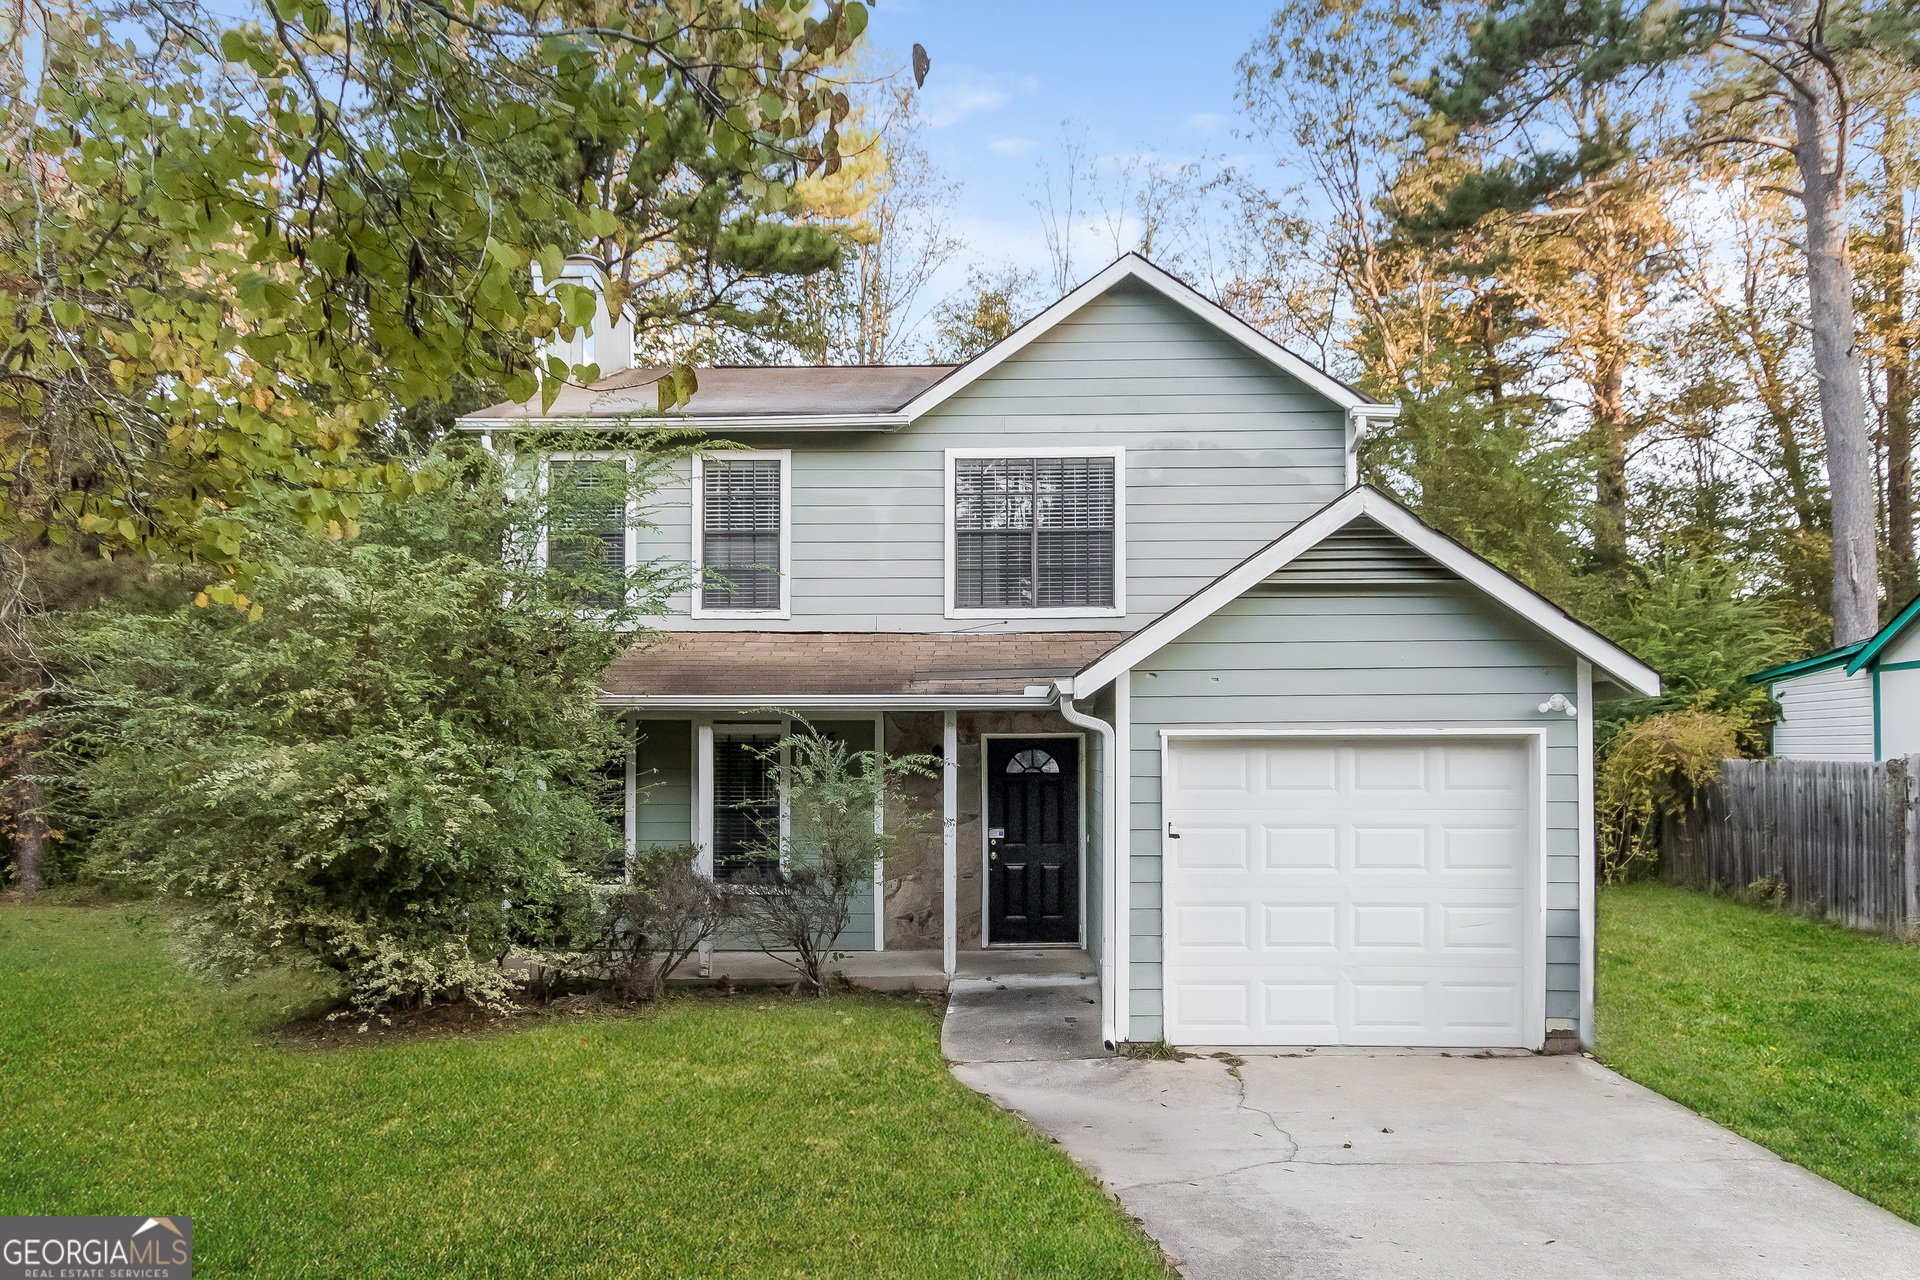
(1769, 891)
(649, 927)
(826, 855)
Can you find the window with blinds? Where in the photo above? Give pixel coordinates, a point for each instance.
(1033, 533)
(588, 533)
(740, 534)
(746, 808)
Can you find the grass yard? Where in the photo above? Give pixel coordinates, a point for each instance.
(707, 1138)
(1803, 1036)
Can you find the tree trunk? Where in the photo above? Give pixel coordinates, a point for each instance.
(1851, 465)
(1903, 576)
(28, 800)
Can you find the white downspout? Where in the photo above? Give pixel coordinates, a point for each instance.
(1109, 826)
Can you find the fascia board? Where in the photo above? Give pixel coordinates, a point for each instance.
(1884, 637)
(745, 422)
(1619, 665)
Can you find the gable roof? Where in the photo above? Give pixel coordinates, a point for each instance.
(1885, 636)
(885, 397)
(1131, 266)
(1859, 654)
(1358, 502)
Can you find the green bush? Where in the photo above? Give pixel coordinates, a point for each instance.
(390, 765)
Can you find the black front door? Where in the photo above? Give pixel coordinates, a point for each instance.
(1033, 840)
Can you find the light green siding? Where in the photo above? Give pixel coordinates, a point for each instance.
(663, 783)
(1356, 656)
(1224, 453)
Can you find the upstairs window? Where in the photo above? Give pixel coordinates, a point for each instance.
(1036, 534)
(589, 524)
(742, 535)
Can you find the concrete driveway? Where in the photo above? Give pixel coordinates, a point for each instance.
(1372, 1163)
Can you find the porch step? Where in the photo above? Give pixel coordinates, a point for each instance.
(906, 970)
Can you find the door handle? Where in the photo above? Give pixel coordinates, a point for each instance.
(1171, 833)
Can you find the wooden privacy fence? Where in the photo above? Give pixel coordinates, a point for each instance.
(1841, 836)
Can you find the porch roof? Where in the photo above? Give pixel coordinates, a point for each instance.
(776, 666)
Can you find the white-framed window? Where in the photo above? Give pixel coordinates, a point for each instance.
(601, 530)
(742, 521)
(1036, 532)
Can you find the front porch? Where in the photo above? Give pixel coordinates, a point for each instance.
(1008, 877)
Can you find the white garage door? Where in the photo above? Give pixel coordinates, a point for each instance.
(1360, 891)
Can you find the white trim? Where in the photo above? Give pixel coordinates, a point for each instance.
(1533, 958)
(701, 819)
(1589, 854)
(1617, 663)
(632, 533)
(879, 828)
(630, 793)
(698, 552)
(1080, 939)
(1118, 609)
(1357, 417)
(949, 842)
(640, 419)
(1120, 941)
(1131, 266)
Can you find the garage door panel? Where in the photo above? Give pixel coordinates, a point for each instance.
(1302, 927)
(1381, 927)
(1210, 926)
(1372, 893)
(1382, 847)
(1389, 768)
(1300, 847)
(1213, 847)
(1298, 769)
(1299, 1012)
(1481, 929)
(1484, 847)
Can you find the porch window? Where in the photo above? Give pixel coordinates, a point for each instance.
(746, 807)
(589, 505)
(743, 534)
(1034, 533)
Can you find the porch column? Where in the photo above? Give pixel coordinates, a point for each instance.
(950, 840)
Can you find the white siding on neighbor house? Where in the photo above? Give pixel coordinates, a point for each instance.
(1899, 713)
(1224, 453)
(1824, 715)
(1417, 656)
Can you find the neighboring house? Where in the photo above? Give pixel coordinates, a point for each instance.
(1858, 702)
(1352, 798)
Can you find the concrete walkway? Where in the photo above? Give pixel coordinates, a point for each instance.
(1412, 1163)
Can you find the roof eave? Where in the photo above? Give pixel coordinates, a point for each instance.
(806, 701)
(803, 422)
(1806, 666)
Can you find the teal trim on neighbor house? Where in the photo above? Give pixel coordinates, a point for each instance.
(1876, 714)
(1804, 666)
(1885, 636)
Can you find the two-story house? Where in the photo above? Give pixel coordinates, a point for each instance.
(1292, 767)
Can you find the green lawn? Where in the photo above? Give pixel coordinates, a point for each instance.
(1803, 1036)
(707, 1138)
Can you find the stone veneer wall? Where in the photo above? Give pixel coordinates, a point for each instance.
(913, 876)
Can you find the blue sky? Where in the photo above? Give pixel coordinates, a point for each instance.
(1141, 78)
